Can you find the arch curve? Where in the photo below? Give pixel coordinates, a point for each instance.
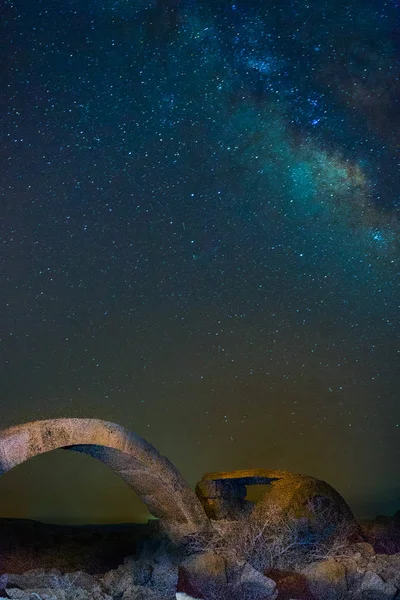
(157, 482)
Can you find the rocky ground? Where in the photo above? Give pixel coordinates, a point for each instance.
(154, 570)
(154, 576)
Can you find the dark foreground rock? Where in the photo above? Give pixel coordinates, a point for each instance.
(156, 569)
(358, 576)
(210, 576)
(156, 574)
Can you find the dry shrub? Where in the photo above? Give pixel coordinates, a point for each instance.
(278, 539)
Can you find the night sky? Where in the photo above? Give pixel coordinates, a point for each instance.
(200, 218)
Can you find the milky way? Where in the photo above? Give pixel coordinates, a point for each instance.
(200, 239)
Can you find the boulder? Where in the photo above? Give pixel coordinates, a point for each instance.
(374, 588)
(34, 578)
(83, 580)
(79, 586)
(253, 585)
(355, 571)
(138, 592)
(388, 568)
(140, 573)
(291, 584)
(79, 594)
(365, 549)
(202, 575)
(164, 577)
(43, 593)
(117, 581)
(326, 579)
(209, 575)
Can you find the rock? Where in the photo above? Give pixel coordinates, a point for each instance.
(154, 567)
(54, 586)
(291, 585)
(222, 495)
(82, 580)
(253, 585)
(138, 592)
(326, 579)
(202, 575)
(34, 578)
(209, 575)
(165, 577)
(17, 594)
(157, 573)
(117, 581)
(34, 593)
(354, 573)
(129, 561)
(374, 588)
(84, 594)
(153, 477)
(366, 550)
(388, 568)
(78, 586)
(140, 572)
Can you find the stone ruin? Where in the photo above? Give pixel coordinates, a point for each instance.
(157, 481)
(183, 514)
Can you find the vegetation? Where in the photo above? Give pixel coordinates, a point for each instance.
(276, 539)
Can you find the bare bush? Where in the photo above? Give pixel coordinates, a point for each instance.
(278, 539)
(60, 587)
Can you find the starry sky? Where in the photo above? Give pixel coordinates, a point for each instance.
(200, 218)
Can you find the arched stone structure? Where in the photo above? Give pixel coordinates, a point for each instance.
(153, 477)
(223, 494)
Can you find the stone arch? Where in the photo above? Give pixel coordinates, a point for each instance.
(157, 482)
